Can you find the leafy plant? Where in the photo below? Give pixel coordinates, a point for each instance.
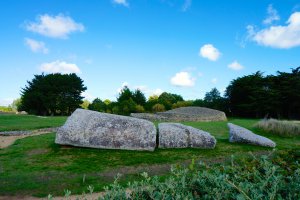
(256, 178)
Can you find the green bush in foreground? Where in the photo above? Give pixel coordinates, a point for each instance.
(283, 128)
(273, 177)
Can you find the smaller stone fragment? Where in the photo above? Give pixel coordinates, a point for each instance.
(242, 135)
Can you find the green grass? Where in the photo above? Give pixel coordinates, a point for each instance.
(28, 122)
(37, 166)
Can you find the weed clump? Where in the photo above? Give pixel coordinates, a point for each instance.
(279, 127)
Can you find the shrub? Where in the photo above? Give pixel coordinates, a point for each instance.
(283, 128)
(6, 109)
(139, 109)
(182, 104)
(257, 178)
(158, 108)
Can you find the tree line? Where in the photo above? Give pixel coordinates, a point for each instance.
(257, 95)
(254, 95)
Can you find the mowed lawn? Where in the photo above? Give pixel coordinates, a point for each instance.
(10, 122)
(37, 166)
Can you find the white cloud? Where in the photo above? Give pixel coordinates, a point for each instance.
(235, 66)
(183, 79)
(210, 52)
(60, 67)
(149, 92)
(58, 26)
(272, 15)
(124, 84)
(156, 92)
(214, 81)
(121, 2)
(36, 46)
(143, 88)
(186, 5)
(283, 37)
(88, 96)
(6, 101)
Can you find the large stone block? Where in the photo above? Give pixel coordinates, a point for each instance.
(85, 128)
(242, 135)
(175, 135)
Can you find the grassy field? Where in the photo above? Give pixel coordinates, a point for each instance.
(37, 166)
(28, 122)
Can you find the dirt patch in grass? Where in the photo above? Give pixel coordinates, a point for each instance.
(7, 140)
(34, 152)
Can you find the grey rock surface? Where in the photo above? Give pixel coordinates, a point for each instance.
(85, 128)
(194, 114)
(243, 135)
(184, 114)
(175, 135)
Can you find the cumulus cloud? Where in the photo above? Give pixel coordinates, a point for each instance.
(235, 66)
(58, 26)
(272, 15)
(143, 88)
(121, 2)
(186, 5)
(6, 101)
(183, 79)
(149, 92)
(124, 84)
(210, 52)
(36, 46)
(157, 92)
(60, 67)
(282, 36)
(214, 81)
(88, 96)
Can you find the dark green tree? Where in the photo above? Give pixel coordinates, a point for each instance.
(126, 101)
(125, 94)
(198, 102)
(139, 97)
(286, 91)
(98, 105)
(52, 94)
(168, 99)
(214, 100)
(247, 94)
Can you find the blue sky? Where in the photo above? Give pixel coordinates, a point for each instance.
(180, 46)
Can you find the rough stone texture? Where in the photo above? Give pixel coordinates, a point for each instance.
(148, 116)
(175, 135)
(184, 114)
(242, 135)
(87, 128)
(193, 114)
